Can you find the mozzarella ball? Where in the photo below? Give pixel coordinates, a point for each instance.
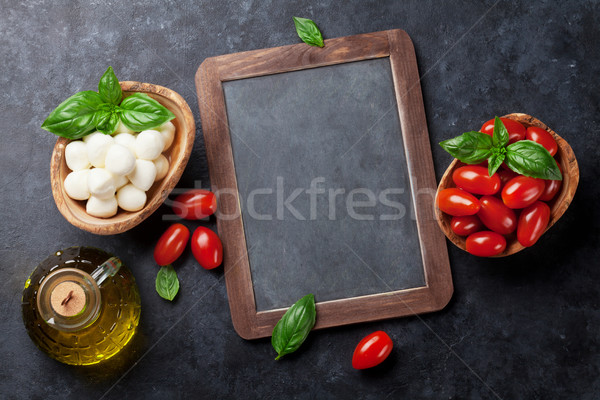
(143, 174)
(120, 181)
(149, 144)
(76, 156)
(121, 127)
(76, 185)
(97, 146)
(131, 198)
(127, 140)
(91, 135)
(167, 130)
(162, 167)
(103, 208)
(101, 183)
(119, 160)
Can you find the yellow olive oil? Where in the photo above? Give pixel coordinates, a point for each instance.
(86, 325)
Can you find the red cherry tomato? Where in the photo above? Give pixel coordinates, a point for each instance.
(532, 223)
(475, 179)
(522, 191)
(207, 248)
(195, 204)
(552, 187)
(465, 225)
(516, 131)
(457, 202)
(485, 244)
(542, 137)
(496, 216)
(372, 350)
(171, 244)
(505, 175)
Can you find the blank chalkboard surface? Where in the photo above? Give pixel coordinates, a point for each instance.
(345, 138)
(321, 163)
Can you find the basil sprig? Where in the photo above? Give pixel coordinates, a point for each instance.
(87, 111)
(74, 117)
(308, 31)
(139, 111)
(500, 134)
(106, 118)
(293, 328)
(495, 161)
(167, 283)
(470, 147)
(109, 88)
(532, 159)
(525, 157)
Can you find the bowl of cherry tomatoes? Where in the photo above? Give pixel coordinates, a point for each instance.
(499, 215)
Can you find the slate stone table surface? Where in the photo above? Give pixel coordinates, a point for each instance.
(524, 327)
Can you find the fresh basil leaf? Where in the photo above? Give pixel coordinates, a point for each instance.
(109, 88)
(140, 112)
(529, 158)
(500, 134)
(74, 117)
(470, 147)
(293, 328)
(101, 116)
(494, 162)
(308, 31)
(106, 121)
(167, 284)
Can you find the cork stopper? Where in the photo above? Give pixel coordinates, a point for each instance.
(67, 299)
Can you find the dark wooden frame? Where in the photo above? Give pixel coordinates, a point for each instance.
(396, 45)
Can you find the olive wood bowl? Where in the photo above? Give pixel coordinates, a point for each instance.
(558, 205)
(178, 155)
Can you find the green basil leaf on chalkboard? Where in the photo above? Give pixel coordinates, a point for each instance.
(470, 147)
(532, 159)
(293, 328)
(308, 31)
(167, 284)
(109, 88)
(140, 112)
(74, 117)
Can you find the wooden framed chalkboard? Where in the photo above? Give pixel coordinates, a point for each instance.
(321, 162)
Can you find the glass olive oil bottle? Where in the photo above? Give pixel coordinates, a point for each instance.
(81, 305)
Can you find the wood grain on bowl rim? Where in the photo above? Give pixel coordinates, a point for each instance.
(558, 205)
(178, 155)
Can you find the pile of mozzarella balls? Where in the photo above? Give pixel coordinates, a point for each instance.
(111, 171)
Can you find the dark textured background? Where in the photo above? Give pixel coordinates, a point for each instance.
(525, 327)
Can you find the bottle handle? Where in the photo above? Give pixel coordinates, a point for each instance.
(106, 270)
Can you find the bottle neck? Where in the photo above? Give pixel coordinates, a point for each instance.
(69, 299)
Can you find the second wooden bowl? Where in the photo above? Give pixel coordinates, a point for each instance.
(178, 156)
(558, 205)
